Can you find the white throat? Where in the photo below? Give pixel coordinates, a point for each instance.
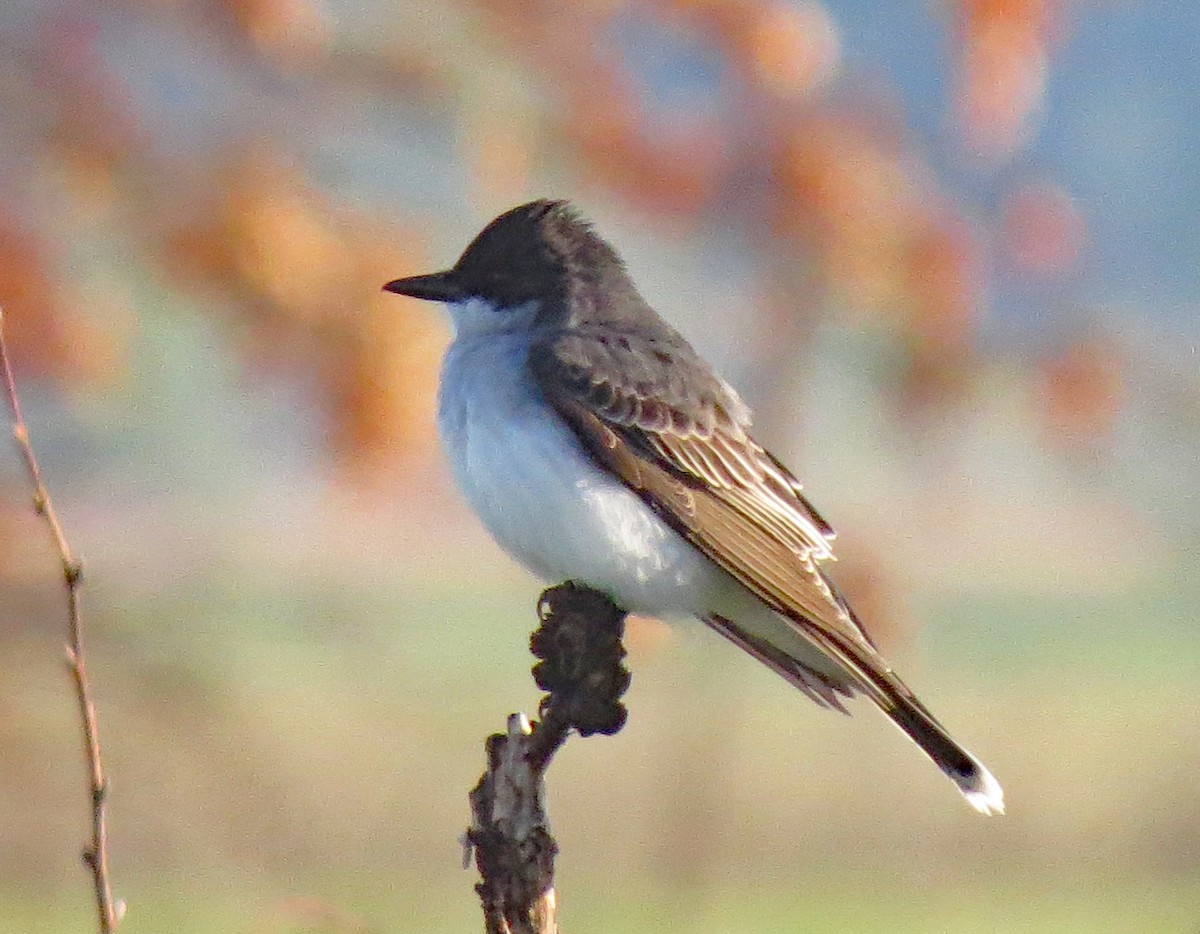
(477, 317)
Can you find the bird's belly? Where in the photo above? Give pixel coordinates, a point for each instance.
(546, 503)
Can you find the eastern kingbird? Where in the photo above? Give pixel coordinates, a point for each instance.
(597, 446)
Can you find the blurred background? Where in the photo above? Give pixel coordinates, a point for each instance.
(957, 241)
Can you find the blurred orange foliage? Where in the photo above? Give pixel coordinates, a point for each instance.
(1000, 81)
(788, 48)
(306, 277)
(824, 180)
(1044, 232)
(1083, 391)
(290, 33)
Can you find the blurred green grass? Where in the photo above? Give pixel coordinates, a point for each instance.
(281, 760)
(820, 906)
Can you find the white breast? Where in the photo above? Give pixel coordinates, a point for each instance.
(542, 498)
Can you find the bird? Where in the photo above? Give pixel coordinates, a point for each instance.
(597, 446)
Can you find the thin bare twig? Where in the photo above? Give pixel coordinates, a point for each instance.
(579, 644)
(95, 853)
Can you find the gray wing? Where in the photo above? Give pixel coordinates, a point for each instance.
(651, 412)
(677, 436)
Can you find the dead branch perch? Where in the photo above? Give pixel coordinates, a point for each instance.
(95, 853)
(579, 644)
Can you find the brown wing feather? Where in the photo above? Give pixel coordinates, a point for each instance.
(741, 528)
(682, 447)
(794, 588)
(663, 422)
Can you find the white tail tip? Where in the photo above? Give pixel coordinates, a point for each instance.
(981, 790)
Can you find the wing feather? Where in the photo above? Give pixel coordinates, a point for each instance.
(677, 436)
(682, 445)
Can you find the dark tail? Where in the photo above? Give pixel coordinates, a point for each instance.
(976, 783)
(866, 671)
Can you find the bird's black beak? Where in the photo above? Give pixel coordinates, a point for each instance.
(434, 287)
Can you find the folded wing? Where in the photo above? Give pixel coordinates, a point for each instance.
(652, 413)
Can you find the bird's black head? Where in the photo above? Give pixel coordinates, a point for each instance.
(541, 251)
